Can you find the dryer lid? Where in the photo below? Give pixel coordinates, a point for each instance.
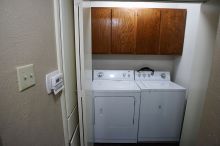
(115, 86)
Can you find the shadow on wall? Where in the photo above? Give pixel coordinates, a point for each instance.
(158, 62)
(1, 141)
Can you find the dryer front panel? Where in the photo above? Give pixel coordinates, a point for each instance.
(115, 118)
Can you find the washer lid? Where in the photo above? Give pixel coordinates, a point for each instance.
(115, 86)
(160, 85)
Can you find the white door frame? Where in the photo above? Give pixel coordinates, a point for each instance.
(80, 48)
(58, 38)
(78, 71)
(60, 66)
(57, 19)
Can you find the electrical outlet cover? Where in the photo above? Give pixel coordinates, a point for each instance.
(26, 77)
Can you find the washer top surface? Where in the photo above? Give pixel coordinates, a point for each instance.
(159, 80)
(160, 85)
(115, 86)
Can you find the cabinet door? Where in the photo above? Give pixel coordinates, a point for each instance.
(124, 24)
(148, 31)
(172, 31)
(101, 30)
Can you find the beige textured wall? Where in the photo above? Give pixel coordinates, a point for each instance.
(27, 36)
(209, 134)
(133, 62)
(200, 71)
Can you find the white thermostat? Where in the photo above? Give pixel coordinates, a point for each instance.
(54, 82)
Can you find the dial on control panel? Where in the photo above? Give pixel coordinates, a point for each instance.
(163, 75)
(126, 75)
(100, 74)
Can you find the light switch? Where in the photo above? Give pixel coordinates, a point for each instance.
(25, 75)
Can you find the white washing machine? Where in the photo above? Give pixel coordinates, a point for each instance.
(162, 107)
(117, 102)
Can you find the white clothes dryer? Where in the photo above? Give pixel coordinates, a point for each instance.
(116, 102)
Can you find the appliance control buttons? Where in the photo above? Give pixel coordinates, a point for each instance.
(163, 75)
(100, 74)
(124, 74)
(144, 75)
(129, 75)
(139, 75)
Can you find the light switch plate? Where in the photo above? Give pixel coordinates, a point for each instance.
(26, 77)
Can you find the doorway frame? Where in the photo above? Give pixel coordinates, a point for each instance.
(59, 51)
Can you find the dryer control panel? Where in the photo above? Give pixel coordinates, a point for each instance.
(121, 75)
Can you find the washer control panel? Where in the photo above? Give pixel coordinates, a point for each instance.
(149, 76)
(113, 75)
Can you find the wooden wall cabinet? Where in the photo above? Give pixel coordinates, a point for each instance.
(148, 31)
(138, 31)
(124, 25)
(172, 30)
(101, 30)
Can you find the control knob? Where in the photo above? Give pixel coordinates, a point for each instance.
(100, 74)
(163, 75)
